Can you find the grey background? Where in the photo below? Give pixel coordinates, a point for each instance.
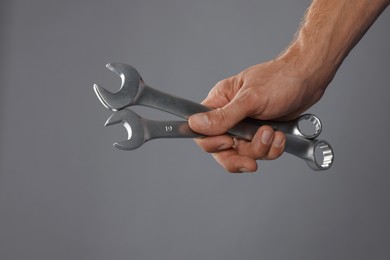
(65, 193)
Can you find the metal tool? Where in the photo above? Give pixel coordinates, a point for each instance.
(133, 91)
(141, 130)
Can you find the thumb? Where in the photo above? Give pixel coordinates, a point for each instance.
(218, 121)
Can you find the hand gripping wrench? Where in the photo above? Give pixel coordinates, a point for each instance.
(141, 130)
(133, 91)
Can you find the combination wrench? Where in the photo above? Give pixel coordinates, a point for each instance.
(133, 91)
(140, 130)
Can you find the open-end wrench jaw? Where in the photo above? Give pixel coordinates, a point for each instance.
(132, 83)
(134, 126)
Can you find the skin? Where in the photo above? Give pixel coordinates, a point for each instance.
(285, 87)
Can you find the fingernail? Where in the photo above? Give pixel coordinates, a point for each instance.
(201, 120)
(244, 170)
(278, 141)
(266, 136)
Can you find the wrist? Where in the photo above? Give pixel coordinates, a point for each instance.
(311, 64)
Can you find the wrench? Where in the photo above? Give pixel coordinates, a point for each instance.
(133, 91)
(141, 130)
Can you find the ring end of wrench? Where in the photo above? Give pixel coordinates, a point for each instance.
(308, 126)
(323, 156)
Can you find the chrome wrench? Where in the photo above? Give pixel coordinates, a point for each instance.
(141, 130)
(134, 91)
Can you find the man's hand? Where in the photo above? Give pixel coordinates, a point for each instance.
(285, 87)
(272, 90)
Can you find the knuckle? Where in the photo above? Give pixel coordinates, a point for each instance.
(228, 166)
(262, 143)
(207, 149)
(250, 100)
(262, 152)
(277, 147)
(274, 154)
(222, 87)
(221, 83)
(221, 118)
(231, 169)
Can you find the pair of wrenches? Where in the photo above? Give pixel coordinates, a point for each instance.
(318, 154)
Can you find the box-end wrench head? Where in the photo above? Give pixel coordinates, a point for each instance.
(318, 154)
(141, 130)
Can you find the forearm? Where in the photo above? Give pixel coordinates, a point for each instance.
(331, 28)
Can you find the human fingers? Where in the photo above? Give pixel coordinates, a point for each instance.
(229, 109)
(265, 145)
(222, 148)
(221, 94)
(221, 119)
(233, 162)
(238, 155)
(215, 144)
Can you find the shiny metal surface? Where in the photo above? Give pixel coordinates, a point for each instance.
(141, 130)
(134, 91)
(318, 154)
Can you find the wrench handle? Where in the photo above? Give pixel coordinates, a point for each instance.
(184, 108)
(245, 129)
(168, 129)
(318, 154)
(181, 107)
